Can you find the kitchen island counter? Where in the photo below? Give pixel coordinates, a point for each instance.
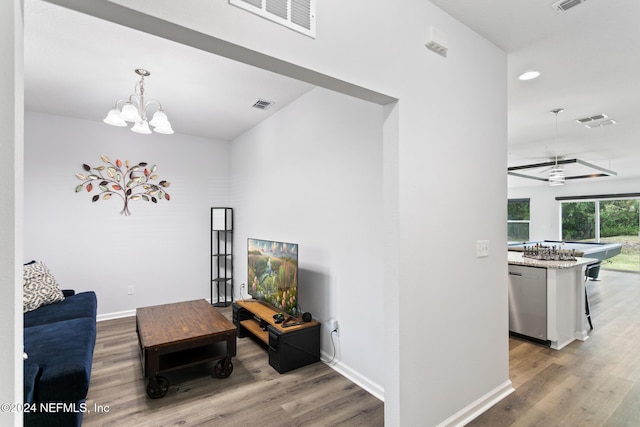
(547, 299)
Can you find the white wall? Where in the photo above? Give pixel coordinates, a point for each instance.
(161, 249)
(312, 175)
(545, 209)
(447, 316)
(11, 152)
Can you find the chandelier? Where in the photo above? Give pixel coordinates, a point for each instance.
(134, 110)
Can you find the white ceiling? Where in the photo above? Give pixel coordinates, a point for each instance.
(77, 65)
(589, 57)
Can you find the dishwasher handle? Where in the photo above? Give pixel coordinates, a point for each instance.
(511, 273)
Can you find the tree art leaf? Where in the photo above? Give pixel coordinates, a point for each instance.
(79, 188)
(86, 167)
(95, 198)
(105, 159)
(107, 196)
(89, 187)
(81, 177)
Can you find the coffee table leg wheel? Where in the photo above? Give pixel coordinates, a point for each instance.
(223, 368)
(157, 387)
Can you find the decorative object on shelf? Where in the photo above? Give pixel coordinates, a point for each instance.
(133, 183)
(560, 169)
(134, 109)
(222, 256)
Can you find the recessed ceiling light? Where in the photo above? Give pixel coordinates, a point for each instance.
(529, 75)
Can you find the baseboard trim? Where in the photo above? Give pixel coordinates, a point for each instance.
(354, 377)
(116, 315)
(469, 413)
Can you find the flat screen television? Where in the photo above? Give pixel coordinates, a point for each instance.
(272, 274)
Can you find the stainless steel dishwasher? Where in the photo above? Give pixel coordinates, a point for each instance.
(528, 302)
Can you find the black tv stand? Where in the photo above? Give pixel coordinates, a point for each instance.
(289, 346)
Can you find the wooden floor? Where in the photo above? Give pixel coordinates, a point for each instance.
(254, 395)
(590, 383)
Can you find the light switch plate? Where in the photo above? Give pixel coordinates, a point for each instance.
(482, 248)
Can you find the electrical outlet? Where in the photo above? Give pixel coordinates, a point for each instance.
(131, 290)
(332, 324)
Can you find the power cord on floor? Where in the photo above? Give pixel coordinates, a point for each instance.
(333, 344)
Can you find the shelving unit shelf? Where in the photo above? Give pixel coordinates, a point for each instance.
(221, 256)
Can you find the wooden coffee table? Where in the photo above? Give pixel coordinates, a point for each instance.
(178, 335)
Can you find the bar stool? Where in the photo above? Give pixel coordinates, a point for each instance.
(592, 272)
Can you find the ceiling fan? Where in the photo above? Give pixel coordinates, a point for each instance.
(555, 168)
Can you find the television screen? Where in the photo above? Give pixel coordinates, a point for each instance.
(273, 274)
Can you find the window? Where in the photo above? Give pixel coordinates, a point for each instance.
(606, 221)
(518, 219)
(579, 221)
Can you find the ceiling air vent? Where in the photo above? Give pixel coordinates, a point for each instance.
(262, 104)
(564, 5)
(298, 15)
(591, 118)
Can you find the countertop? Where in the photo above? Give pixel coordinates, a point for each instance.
(516, 258)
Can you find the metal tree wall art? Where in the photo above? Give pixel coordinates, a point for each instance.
(131, 184)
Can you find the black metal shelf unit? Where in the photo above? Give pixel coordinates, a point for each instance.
(222, 256)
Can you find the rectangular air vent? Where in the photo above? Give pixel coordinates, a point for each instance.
(591, 118)
(564, 5)
(262, 104)
(298, 15)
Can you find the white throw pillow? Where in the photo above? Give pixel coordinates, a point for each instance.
(39, 286)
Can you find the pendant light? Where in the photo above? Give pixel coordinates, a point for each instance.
(556, 174)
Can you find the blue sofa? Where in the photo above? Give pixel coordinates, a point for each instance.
(59, 339)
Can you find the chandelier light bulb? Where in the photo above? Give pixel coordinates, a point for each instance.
(114, 118)
(141, 127)
(130, 113)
